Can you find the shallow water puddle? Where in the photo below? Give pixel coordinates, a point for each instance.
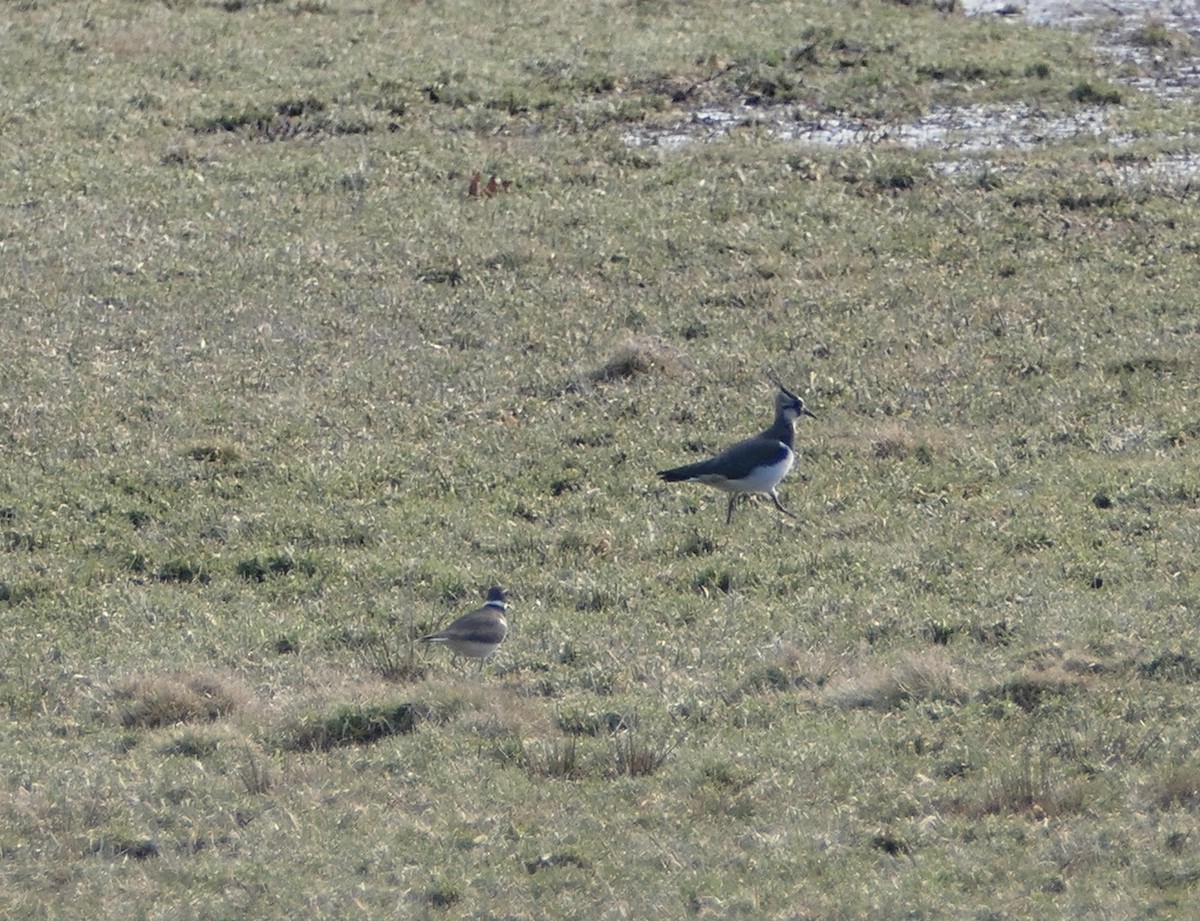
(1117, 24)
(967, 130)
(979, 129)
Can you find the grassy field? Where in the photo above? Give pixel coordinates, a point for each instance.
(279, 395)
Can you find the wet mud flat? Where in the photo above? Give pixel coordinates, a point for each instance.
(1118, 30)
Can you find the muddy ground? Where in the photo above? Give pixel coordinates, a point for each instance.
(1115, 27)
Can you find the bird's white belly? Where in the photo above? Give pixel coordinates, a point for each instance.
(474, 650)
(763, 479)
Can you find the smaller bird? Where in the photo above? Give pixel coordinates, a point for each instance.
(756, 465)
(477, 633)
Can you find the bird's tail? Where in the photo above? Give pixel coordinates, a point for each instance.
(686, 472)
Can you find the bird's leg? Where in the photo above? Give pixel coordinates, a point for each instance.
(778, 504)
(729, 512)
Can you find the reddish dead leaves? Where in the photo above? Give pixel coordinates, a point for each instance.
(493, 187)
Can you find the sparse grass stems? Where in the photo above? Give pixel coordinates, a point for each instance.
(635, 755)
(555, 758)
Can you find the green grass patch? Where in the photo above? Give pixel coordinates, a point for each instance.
(289, 382)
(351, 725)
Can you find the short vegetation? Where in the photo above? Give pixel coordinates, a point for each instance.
(322, 317)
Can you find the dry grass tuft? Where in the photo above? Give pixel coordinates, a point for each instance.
(1177, 787)
(638, 355)
(804, 668)
(920, 677)
(895, 445)
(152, 702)
(894, 441)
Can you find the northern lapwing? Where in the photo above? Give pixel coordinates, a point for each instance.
(477, 633)
(755, 465)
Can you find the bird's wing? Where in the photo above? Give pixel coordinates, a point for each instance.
(739, 460)
(482, 625)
